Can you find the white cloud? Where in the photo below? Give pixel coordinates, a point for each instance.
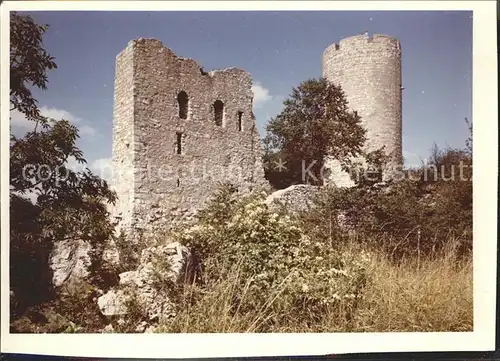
(260, 95)
(86, 130)
(59, 114)
(413, 160)
(75, 166)
(101, 163)
(102, 167)
(19, 121)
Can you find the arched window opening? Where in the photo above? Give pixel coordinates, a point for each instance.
(218, 112)
(183, 100)
(240, 124)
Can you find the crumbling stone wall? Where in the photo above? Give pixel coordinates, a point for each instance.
(369, 71)
(296, 198)
(123, 135)
(178, 132)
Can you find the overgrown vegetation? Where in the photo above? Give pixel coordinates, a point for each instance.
(49, 202)
(275, 267)
(315, 122)
(390, 257)
(434, 294)
(411, 216)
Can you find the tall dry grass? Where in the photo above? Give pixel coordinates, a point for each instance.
(418, 295)
(412, 295)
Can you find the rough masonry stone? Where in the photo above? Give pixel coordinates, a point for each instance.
(69, 260)
(296, 198)
(368, 68)
(178, 132)
(162, 264)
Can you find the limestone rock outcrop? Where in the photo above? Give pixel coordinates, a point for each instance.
(70, 260)
(296, 198)
(161, 267)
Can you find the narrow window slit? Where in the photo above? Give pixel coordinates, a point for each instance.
(183, 100)
(218, 112)
(179, 143)
(240, 125)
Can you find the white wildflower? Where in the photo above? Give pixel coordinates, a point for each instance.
(339, 271)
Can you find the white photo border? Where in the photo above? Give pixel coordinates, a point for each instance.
(485, 123)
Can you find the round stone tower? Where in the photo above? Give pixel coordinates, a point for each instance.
(368, 68)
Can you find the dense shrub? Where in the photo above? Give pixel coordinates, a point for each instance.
(273, 256)
(416, 214)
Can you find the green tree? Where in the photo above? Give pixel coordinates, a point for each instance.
(63, 204)
(29, 64)
(315, 122)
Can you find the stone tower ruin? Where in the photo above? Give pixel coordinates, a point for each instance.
(178, 132)
(368, 68)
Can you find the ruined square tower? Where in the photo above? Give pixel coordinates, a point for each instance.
(178, 132)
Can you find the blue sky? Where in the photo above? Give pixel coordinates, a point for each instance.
(279, 49)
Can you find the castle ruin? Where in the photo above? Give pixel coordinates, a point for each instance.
(368, 68)
(178, 132)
